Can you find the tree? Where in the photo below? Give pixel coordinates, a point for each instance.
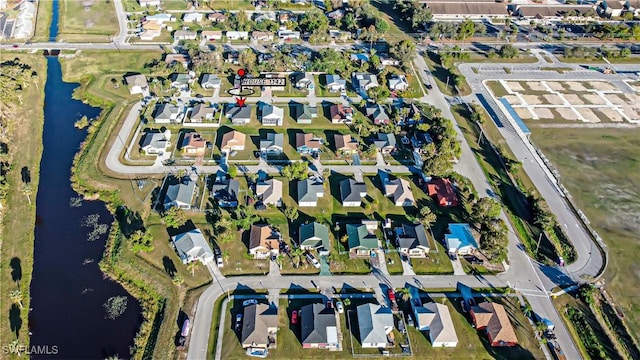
(404, 51)
(405, 293)
(420, 16)
(297, 254)
(314, 20)
(493, 239)
(192, 267)
(298, 170)
(350, 22)
(16, 297)
(485, 209)
(427, 217)
(379, 93)
(247, 59)
(513, 166)
(508, 51)
(175, 217)
(291, 213)
(466, 29)
(225, 255)
(115, 306)
(141, 241)
(178, 280)
(381, 26)
(232, 171)
(27, 191)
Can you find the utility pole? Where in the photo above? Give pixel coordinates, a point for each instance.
(539, 239)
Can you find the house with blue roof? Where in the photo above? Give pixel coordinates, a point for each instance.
(460, 239)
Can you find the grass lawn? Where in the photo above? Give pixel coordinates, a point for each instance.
(18, 218)
(134, 6)
(230, 5)
(96, 22)
(437, 263)
(497, 89)
(321, 87)
(606, 157)
(445, 79)
(43, 21)
(290, 91)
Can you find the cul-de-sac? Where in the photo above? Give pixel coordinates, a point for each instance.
(319, 179)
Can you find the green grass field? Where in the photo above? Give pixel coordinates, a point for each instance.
(601, 170)
(91, 20)
(43, 21)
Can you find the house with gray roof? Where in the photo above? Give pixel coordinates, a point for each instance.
(377, 113)
(309, 190)
(364, 81)
(239, 115)
(335, 83)
(352, 191)
(210, 81)
(202, 113)
(304, 113)
(398, 83)
(180, 194)
(273, 144)
(166, 113)
(137, 84)
(385, 143)
(399, 190)
(318, 327)
(225, 190)
(374, 323)
(314, 236)
(362, 238)
(434, 318)
(192, 246)
(412, 240)
(180, 81)
(259, 326)
(153, 143)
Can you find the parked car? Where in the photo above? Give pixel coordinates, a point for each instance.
(294, 317)
(238, 322)
(339, 307)
(392, 295)
(313, 261)
(249, 302)
(219, 261)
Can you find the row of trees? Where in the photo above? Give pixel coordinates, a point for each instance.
(458, 31)
(418, 14)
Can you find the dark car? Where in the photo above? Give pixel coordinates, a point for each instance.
(199, 96)
(429, 86)
(238, 322)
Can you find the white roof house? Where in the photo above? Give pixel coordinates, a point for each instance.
(434, 318)
(192, 246)
(270, 191)
(192, 17)
(272, 115)
(375, 323)
(398, 83)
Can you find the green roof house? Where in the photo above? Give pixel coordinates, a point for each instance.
(315, 236)
(362, 238)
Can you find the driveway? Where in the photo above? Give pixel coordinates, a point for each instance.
(457, 267)
(407, 269)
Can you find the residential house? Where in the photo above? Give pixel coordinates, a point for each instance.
(217, 17)
(259, 326)
(362, 238)
(284, 16)
(546, 15)
(192, 17)
(360, 58)
(302, 81)
(412, 240)
(307, 143)
(211, 35)
(375, 322)
(237, 35)
(288, 35)
(386, 143)
(443, 191)
(314, 236)
(304, 113)
(180, 195)
(345, 144)
(270, 192)
(388, 61)
(460, 239)
(272, 115)
(335, 14)
(192, 246)
(166, 113)
(335, 83)
(225, 190)
(193, 144)
(377, 113)
(239, 115)
(150, 34)
(273, 144)
(210, 81)
(398, 189)
(611, 8)
(632, 6)
(153, 143)
(420, 139)
(352, 191)
(160, 18)
(265, 16)
(180, 81)
(261, 36)
(264, 241)
(137, 84)
(171, 59)
(364, 81)
(201, 113)
(493, 318)
(339, 113)
(398, 83)
(185, 35)
(233, 141)
(147, 3)
(339, 35)
(434, 318)
(309, 190)
(318, 327)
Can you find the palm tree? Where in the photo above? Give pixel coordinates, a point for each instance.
(178, 280)
(16, 297)
(291, 213)
(296, 256)
(192, 267)
(27, 191)
(225, 255)
(405, 292)
(427, 217)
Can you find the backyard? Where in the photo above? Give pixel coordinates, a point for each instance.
(601, 171)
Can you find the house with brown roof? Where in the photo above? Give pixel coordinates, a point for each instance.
(211, 35)
(345, 144)
(171, 59)
(493, 318)
(307, 143)
(233, 140)
(399, 190)
(193, 144)
(217, 17)
(259, 326)
(443, 191)
(263, 241)
(261, 36)
(339, 113)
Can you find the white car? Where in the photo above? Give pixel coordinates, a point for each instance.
(339, 307)
(249, 302)
(219, 261)
(313, 261)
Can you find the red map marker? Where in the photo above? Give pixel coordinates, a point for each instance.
(240, 101)
(241, 72)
